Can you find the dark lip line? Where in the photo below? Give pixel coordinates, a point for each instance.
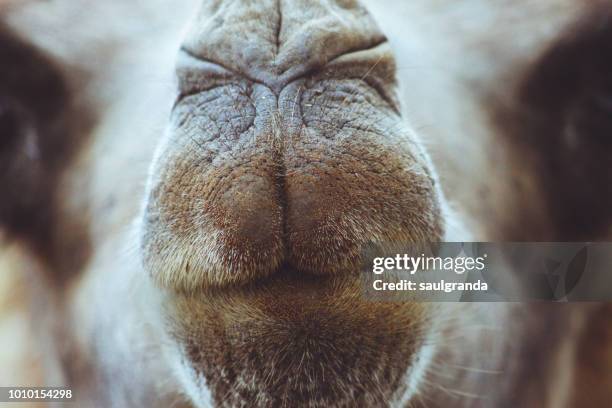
(285, 274)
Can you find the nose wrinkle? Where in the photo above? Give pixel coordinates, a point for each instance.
(274, 41)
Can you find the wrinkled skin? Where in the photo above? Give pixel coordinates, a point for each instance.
(284, 159)
(210, 193)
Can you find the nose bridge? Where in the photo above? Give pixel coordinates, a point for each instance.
(275, 41)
